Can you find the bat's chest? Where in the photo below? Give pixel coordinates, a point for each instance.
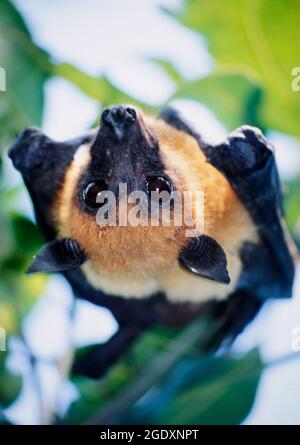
(176, 283)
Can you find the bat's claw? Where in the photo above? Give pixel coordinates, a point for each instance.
(26, 151)
(248, 149)
(245, 150)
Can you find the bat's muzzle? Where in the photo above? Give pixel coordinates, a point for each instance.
(119, 119)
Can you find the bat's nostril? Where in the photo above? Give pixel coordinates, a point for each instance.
(131, 113)
(105, 116)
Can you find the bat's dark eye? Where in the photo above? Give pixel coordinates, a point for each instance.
(92, 193)
(159, 184)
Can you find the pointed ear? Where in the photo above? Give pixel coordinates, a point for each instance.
(205, 257)
(58, 256)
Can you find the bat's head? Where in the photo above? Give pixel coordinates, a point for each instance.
(115, 200)
(105, 200)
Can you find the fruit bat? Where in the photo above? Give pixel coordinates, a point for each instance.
(156, 274)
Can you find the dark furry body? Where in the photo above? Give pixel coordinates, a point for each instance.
(248, 164)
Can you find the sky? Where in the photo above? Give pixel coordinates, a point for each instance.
(119, 38)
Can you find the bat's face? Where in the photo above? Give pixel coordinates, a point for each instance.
(109, 177)
(102, 192)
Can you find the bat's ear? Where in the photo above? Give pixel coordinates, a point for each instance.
(58, 256)
(206, 258)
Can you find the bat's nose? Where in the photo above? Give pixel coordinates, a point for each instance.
(118, 119)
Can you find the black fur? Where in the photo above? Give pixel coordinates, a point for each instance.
(247, 160)
(43, 163)
(173, 118)
(251, 170)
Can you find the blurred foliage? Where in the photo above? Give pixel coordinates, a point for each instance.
(10, 384)
(94, 394)
(174, 387)
(165, 377)
(26, 67)
(259, 39)
(100, 89)
(232, 97)
(292, 205)
(203, 391)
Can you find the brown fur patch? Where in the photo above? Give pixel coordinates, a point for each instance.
(137, 261)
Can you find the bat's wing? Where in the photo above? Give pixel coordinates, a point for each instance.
(43, 163)
(247, 160)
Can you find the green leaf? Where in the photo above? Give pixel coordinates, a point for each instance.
(258, 37)
(100, 89)
(95, 394)
(234, 98)
(8, 319)
(26, 67)
(10, 383)
(169, 69)
(27, 236)
(292, 205)
(146, 377)
(205, 390)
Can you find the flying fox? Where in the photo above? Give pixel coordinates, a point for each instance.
(149, 274)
